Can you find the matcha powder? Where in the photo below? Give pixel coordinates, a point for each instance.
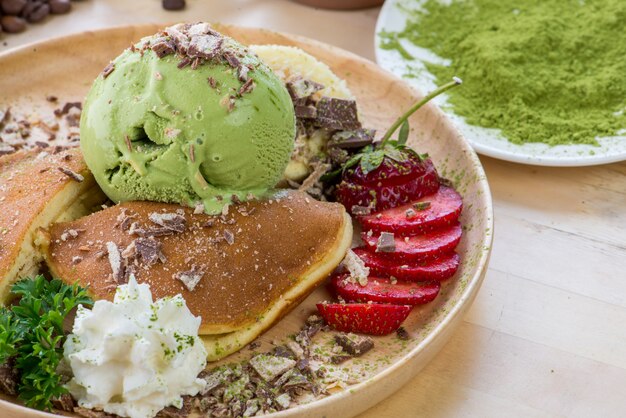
(551, 71)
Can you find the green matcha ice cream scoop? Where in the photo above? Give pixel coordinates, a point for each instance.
(187, 116)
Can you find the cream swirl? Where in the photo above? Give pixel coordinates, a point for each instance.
(133, 357)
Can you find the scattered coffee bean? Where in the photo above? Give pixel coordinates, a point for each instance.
(58, 7)
(173, 4)
(38, 12)
(12, 24)
(12, 7)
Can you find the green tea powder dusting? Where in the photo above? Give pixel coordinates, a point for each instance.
(551, 71)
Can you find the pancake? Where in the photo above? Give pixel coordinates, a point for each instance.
(240, 272)
(33, 194)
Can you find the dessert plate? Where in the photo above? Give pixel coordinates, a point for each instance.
(487, 141)
(65, 67)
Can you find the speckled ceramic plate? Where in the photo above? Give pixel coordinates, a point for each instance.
(486, 141)
(65, 68)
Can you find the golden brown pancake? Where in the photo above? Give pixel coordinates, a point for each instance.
(254, 264)
(38, 187)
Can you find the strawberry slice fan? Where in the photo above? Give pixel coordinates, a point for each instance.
(410, 223)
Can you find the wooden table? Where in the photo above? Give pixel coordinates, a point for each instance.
(547, 333)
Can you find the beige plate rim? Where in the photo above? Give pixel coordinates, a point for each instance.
(381, 385)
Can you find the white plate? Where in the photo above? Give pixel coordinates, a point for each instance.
(484, 140)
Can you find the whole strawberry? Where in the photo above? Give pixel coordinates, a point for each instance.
(388, 174)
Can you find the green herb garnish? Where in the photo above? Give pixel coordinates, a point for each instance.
(31, 332)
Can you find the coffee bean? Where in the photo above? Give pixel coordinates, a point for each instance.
(12, 7)
(12, 24)
(173, 4)
(58, 7)
(38, 13)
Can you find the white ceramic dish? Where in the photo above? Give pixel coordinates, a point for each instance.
(485, 141)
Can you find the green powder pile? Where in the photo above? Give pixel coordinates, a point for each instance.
(551, 71)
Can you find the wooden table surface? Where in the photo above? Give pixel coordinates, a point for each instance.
(547, 333)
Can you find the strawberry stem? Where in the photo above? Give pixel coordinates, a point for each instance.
(455, 82)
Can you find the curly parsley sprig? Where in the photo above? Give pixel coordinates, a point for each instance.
(31, 332)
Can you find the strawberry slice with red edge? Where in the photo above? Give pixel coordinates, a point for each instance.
(364, 318)
(427, 247)
(388, 193)
(437, 270)
(382, 290)
(418, 217)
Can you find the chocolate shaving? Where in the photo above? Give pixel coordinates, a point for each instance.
(149, 250)
(163, 47)
(115, 260)
(192, 153)
(229, 237)
(184, 62)
(190, 278)
(353, 344)
(212, 82)
(108, 70)
(333, 113)
(247, 87)
(386, 243)
(232, 60)
(128, 143)
(172, 221)
(205, 46)
(71, 174)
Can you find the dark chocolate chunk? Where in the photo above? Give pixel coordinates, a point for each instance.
(305, 111)
(65, 402)
(173, 4)
(339, 358)
(333, 113)
(9, 378)
(354, 344)
(300, 89)
(361, 210)
(402, 333)
(386, 243)
(352, 139)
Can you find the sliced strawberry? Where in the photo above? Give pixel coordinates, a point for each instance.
(364, 318)
(427, 247)
(444, 208)
(380, 196)
(382, 290)
(437, 270)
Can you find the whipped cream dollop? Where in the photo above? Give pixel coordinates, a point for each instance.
(133, 357)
